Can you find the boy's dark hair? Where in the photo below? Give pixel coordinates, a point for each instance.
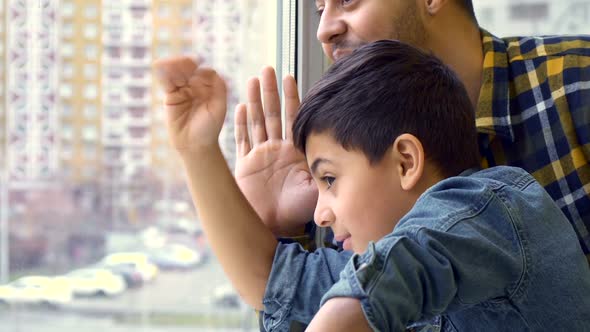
(385, 89)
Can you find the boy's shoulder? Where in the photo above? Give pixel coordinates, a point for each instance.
(468, 196)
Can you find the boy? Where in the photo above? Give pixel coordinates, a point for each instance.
(388, 134)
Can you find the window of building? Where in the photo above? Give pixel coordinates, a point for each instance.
(90, 112)
(67, 50)
(67, 8)
(90, 31)
(67, 30)
(90, 133)
(91, 52)
(91, 12)
(67, 70)
(164, 10)
(90, 91)
(90, 71)
(66, 90)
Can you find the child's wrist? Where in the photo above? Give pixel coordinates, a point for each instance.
(198, 152)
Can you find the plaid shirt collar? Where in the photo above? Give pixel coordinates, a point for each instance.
(493, 107)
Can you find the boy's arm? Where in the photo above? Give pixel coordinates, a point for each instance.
(195, 105)
(417, 273)
(340, 314)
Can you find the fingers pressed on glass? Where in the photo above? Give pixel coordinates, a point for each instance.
(241, 130)
(174, 72)
(291, 104)
(255, 112)
(272, 103)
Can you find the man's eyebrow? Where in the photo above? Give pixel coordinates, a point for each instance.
(316, 163)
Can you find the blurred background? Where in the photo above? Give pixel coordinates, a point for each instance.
(97, 230)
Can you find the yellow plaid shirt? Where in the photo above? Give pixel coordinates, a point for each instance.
(534, 112)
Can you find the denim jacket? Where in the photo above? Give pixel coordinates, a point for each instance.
(484, 251)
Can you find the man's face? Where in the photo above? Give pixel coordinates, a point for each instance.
(348, 24)
(359, 201)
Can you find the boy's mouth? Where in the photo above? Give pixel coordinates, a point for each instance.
(345, 239)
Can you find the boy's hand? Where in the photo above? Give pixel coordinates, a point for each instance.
(195, 103)
(271, 173)
(340, 314)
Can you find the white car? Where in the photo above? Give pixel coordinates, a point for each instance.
(40, 290)
(94, 281)
(138, 260)
(175, 256)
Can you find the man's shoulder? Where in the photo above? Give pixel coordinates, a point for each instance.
(535, 47)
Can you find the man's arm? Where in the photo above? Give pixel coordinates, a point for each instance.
(195, 105)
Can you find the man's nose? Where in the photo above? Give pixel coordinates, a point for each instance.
(331, 25)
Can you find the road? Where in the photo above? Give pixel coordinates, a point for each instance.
(174, 301)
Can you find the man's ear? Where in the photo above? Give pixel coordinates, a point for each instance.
(433, 7)
(410, 154)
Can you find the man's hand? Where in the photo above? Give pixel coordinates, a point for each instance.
(271, 173)
(195, 103)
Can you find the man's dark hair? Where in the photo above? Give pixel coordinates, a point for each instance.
(385, 89)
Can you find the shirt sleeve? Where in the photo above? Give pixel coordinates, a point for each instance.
(418, 273)
(297, 281)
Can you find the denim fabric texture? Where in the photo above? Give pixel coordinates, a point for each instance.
(484, 251)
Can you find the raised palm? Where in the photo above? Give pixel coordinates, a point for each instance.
(195, 102)
(270, 171)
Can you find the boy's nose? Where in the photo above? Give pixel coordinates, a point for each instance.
(323, 215)
(331, 25)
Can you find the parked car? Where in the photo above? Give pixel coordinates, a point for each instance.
(226, 296)
(95, 282)
(175, 257)
(36, 290)
(130, 274)
(140, 262)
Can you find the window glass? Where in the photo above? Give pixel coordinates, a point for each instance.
(98, 198)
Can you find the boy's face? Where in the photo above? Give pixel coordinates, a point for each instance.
(360, 201)
(346, 25)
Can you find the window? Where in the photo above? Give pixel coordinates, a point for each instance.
(163, 33)
(90, 91)
(91, 52)
(91, 12)
(89, 151)
(67, 70)
(90, 31)
(111, 162)
(67, 50)
(67, 8)
(90, 111)
(67, 132)
(164, 10)
(66, 90)
(67, 30)
(90, 71)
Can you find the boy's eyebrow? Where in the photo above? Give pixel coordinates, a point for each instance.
(316, 163)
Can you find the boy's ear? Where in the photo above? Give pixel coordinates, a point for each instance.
(410, 154)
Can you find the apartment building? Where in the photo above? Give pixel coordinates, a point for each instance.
(30, 94)
(78, 102)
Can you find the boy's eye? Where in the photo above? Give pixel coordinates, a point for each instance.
(329, 180)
